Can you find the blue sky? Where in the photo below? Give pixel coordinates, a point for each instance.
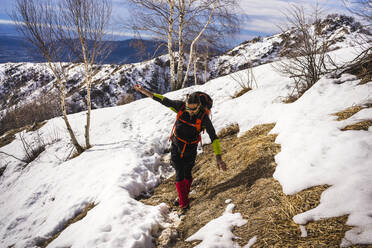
(261, 17)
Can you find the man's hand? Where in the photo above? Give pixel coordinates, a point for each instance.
(220, 163)
(139, 88)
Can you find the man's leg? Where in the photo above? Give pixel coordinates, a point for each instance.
(178, 165)
(188, 172)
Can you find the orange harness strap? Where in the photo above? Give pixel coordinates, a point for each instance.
(197, 125)
(174, 125)
(187, 143)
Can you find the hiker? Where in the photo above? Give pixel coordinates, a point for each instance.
(192, 118)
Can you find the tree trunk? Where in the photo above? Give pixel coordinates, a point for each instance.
(74, 141)
(206, 56)
(195, 70)
(173, 84)
(193, 44)
(180, 44)
(87, 126)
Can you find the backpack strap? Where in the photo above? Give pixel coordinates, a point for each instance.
(197, 125)
(179, 113)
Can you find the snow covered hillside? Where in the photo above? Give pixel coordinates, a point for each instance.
(339, 30)
(38, 200)
(22, 82)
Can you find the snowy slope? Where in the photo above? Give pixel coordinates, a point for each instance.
(23, 82)
(128, 141)
(337, 30)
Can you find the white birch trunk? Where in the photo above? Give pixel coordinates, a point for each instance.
(181, 4)
(61, 89)
(170, 46)
(193, 45)
(195, 70)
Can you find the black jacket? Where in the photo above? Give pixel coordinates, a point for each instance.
(183, 130)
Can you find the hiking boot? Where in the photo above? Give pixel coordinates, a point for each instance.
(183, 211)
(176, 202)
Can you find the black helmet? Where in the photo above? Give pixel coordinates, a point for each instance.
(193, 98)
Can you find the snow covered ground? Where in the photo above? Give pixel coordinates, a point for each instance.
(38, 200)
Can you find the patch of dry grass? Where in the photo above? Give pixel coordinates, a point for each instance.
(241, 92)
(78, 217)
(229, 131)
(290, 98)
(255, 193)
(9, 136)
(363, 125)
(270, 218)
(362, 69)
(347, 113)
(365, 79)
(36, 126)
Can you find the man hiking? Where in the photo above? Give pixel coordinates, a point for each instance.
(192, 118)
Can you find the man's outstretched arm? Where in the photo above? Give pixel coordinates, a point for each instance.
(172, 104)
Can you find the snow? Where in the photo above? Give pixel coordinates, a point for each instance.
(251, 242)
(218, 232)
(125, 160)
(303, 231)
(327, 154)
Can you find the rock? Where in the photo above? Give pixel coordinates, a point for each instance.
(166, 237)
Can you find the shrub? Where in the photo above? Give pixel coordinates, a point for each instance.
(32, 149)
(245, 79)
(127, 98)
(42, 108)
(305, 52)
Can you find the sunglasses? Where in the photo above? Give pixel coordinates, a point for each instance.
(192, 109)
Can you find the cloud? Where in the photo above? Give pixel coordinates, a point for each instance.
(270, 8)
(108, 32)
(128, 34)
(259, 17)
(266, 15)
(263, 24)
(8, 22)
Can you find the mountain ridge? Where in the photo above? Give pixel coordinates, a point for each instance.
(14, 49)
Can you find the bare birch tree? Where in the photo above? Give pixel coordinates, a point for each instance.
(192, 56)
(306, 56)
(71, 30)
(182, 23)
(87, 21)
(38, 21)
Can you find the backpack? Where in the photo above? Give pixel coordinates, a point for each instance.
(207, 103)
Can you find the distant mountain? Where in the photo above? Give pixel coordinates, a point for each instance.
(15, 49)
(128, 51)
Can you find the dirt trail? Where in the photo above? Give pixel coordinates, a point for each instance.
(248, 182)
